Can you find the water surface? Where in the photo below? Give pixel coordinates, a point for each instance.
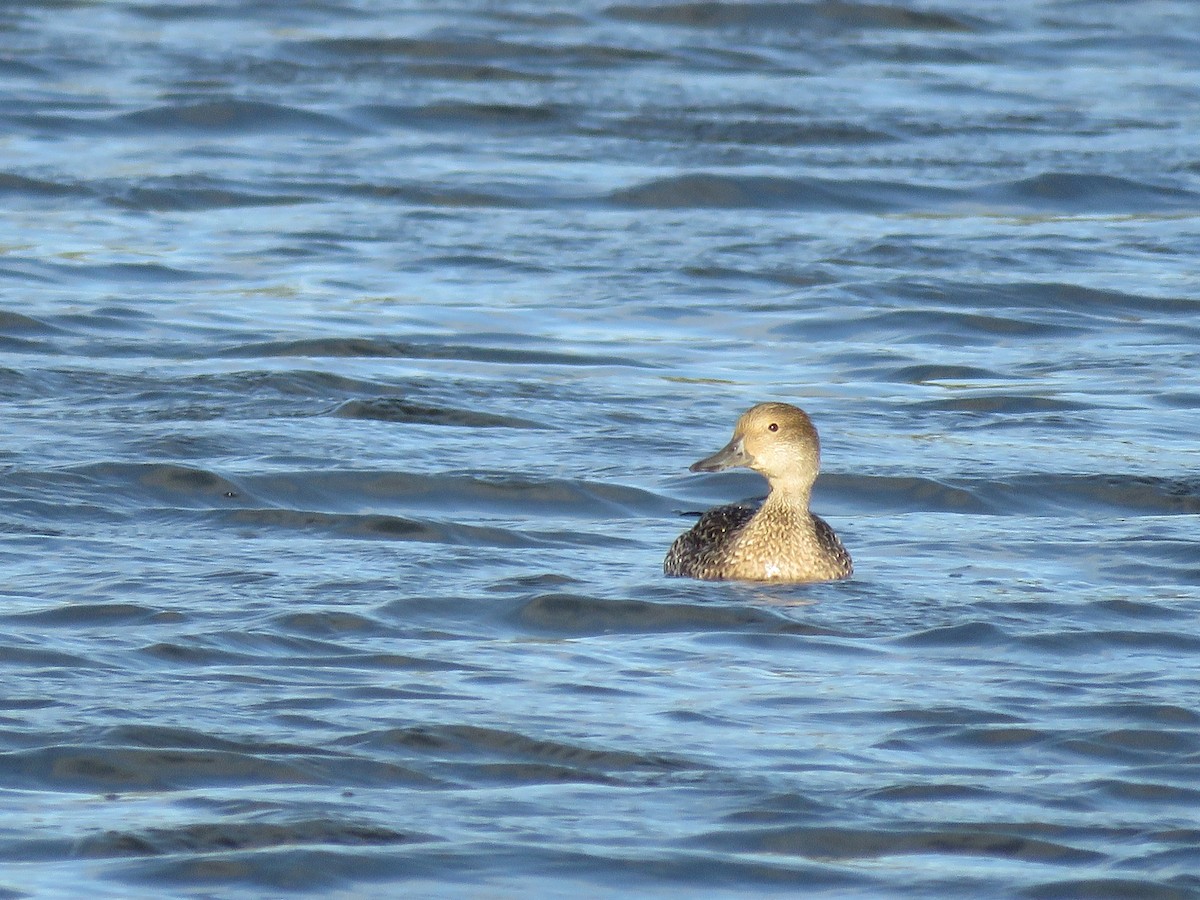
(351, 359)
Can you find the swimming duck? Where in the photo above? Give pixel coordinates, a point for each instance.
(779, 539)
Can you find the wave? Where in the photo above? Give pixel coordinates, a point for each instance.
(466, 115)
(793, 16)
(407, 528)
(1067, 193)
(580, 614)
(395, 409)
(389, 348)
(707, 190)
(1044, 494)
(191, 192)
(233, 116)
(470, 49)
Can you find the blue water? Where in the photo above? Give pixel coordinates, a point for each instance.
(352, 356)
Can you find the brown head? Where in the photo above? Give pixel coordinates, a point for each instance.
(778, 441)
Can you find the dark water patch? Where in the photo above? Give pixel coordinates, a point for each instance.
(470, 50)
(422, 870)
(21, 529)
(196, 654)
(580, 614)
(121, 769)
(489, 263)
(192, 194)
(1179, 887)
(287, 870)
(713, 191)
(718, 128)
(62, 125)
(1139, 792)
(860, 844)
(882, 493)
(1177, 400)
(253, 392)
(939, 328)
(19, 385)
(14, 68)
(394, 409)
(450, 197)
(1048, 494)
(273, 14)
(1132, 746)
(1101, 641)
(781, 808)
(790, 277)
(83, 615)
(12, 185)
(388, 348)
(1001, 404)
(233, 116)
(328, 623)
(933, 374)
(1046, 296)
(321, 502)
(1142, 610)
(940, 55)
(1137, 572)
(480, 73)
(515, 774)
(185, 12)
(1062, 194)
(969, 634)
(23, 345)
(1078, 494)
(480, 743)
(26, 703)
(174, 737)
(1160, 714)
(282, 651)
(19, 658)
(105, 319)
(514, 495)
(137, 274)
(543, 581)
(948, 716)
(14, 323)
(145, 483)
(225, 837)
(999, 737)
(1083, 193)
(824, 15)
(447, 114)
(941, 792)
(406, 529)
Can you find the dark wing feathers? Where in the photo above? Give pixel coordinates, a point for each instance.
(697, 548)
(828, 539)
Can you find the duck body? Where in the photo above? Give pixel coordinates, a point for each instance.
(779, 538)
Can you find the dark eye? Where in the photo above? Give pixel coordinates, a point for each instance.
(772, 427)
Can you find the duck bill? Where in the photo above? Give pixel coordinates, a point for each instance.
(732, 454)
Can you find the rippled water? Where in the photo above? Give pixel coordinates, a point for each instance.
(351, 358)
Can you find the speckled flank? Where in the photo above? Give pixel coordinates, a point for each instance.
(779, 540)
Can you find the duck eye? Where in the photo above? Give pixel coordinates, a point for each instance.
(772, 427)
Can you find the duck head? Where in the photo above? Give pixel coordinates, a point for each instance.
(777, 440)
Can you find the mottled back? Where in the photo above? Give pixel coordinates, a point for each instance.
(702, 549)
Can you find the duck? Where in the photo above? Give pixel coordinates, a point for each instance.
(775, 539)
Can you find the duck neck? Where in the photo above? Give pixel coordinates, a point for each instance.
(790, 494)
